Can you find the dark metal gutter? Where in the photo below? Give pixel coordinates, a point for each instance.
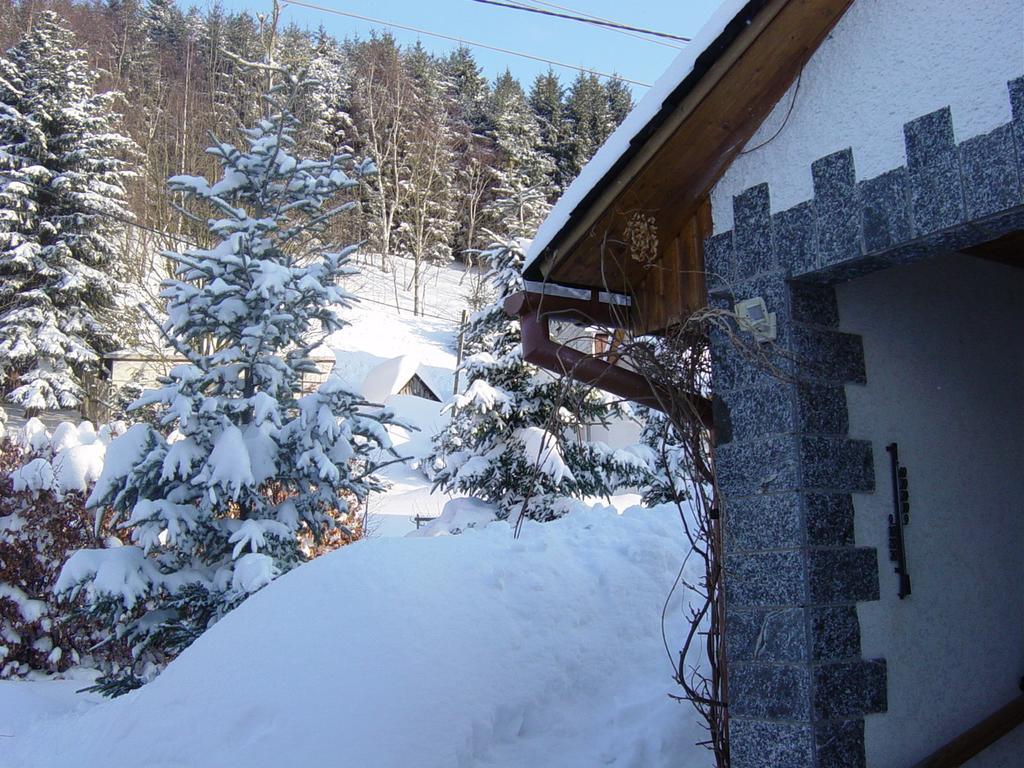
(536, 310)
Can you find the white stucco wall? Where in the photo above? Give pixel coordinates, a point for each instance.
(885, 63)
(944, 352)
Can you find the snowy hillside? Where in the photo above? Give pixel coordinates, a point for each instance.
(472, 650)
(382, 330)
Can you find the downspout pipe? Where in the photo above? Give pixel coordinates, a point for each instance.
(536, 310)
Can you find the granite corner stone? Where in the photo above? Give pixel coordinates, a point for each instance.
(835, 633)
(840, 743)
(719, 260)
(764, 466)
(821, 409)
(843, 575)
(774, 635)
(850, 689)
(837, 211)
(752, 232)
(813, 304)
(929, 140)
(991, 179)
(761, 411)
(839, 464)
(770, 691)
(826, 355)
(1016, 89)
(756, 523)
(886, 210)
(757, 744)
(795, 236)
(765, 579)
(829, 519)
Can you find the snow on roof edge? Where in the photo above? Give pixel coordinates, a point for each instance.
(618, 144)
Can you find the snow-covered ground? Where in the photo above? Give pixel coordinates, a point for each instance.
(381, 331)
(472, 650)
(430, 650)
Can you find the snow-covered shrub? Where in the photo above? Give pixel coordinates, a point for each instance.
(242, 474)
(515, 433)
(44, 480)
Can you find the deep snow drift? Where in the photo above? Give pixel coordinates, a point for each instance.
(470, 650)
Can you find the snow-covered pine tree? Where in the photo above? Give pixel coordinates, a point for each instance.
(522, 171)
(244, 468)
(547, 100)
(589, 118)
(506, 89)
(331, 129)
(62, 188)
(516, 433)
(468, 88)
(164, 23)
(620, 100)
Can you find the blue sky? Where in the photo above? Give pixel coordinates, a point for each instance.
(567, 41)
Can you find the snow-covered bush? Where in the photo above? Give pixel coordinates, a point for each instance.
(515, 433)
(44, 480)
(242, 472)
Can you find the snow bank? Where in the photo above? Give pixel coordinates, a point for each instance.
(472, 650)
(23, 703)
(459, 515)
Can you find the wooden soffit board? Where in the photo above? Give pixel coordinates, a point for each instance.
(666, 180)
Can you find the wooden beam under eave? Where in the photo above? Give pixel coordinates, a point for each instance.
(674, 287)
(707, 133)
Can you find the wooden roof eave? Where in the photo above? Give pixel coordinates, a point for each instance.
(687, 149)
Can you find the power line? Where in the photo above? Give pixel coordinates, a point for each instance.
(462, 41)
(595, 21)
(601, 18)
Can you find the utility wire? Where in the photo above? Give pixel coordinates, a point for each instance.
(601, 18)
(462, 41)
(585, 20)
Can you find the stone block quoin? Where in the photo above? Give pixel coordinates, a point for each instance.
(799, 689)
(786, 465)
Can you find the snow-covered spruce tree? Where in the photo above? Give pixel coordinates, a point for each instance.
(62, 177)
(330, 128)
(589, 118)
(547, 100)
(671, 468)
(244, 469)
(523, 170)
(516, 433)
